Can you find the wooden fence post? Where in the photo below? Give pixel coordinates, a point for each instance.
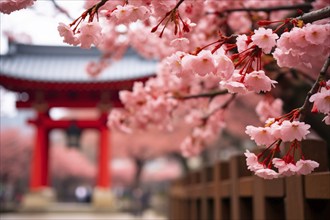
(240, 208)
(268, 199)
(295, 208)
(296, 202)
(223, 209)
(217, 198)
(234, 199)
(317, 195)
(227, 191)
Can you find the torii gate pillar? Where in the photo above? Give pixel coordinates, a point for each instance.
(40, 194)
(102, 195)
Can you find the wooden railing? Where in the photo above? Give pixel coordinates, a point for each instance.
(227, 190)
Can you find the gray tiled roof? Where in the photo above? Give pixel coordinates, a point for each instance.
(68, 64)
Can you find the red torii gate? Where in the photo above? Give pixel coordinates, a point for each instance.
(48, 77)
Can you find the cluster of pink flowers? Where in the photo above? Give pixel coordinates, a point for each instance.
(129, 13)
(321, 101)
(95, 68)
(264, 39)
(276, 131)
(284, 168)
(89, 34)
(206, 70)
(203, 132)
(304, 48)
(269, 108)
(286, 131)
(219, 66)
(255, 81)
(248, 75)
(153, 104)
(204, 63)
(197, 58)
(8, 6)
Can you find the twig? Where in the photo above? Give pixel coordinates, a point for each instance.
(306, 18)
(202, 95)
(224, 106)
(303, 6)
(61, 9)
(315, 15)
(178, 4)
(307, 106)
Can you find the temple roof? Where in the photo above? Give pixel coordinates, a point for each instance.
(67, 65)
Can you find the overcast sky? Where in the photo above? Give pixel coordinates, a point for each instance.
(41, 21)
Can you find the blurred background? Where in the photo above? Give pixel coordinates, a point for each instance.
(139, 167)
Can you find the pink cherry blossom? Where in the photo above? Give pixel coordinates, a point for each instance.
(8, 6)
(201, 64)
(296, 35)
(116, 119)
(130, 13)
(190, 148)
(265, 39)
(225, 67)
(66, 32)
(261, 135)
(95, 68)
(180, 43)
(267, 173)
(90, 33)
(275, 128)
(204, 60)
(257, 81)
(294, 130)
(295, 51)
(109, 5)
(305, 167)
(322, 100)
(269, 109)
(161, 7)
(174, 63)
(284, 169)
(252, 161)
(122, 13)
(241, 42)
(239, 22)
(234, 87)
(135, 98)
(316, 34)
(194, 118)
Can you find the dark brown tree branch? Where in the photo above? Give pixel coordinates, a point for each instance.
(61, 9)
(315, 15)
(202, 95)
(307, 106)
(303, 6)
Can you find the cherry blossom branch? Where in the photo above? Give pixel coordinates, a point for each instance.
(307, 106)
(91, 12)
(170, 15)
(315, 15)
(303, 6)
(178, 4)
(61, 9)
(202, 95)
(223, 106)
